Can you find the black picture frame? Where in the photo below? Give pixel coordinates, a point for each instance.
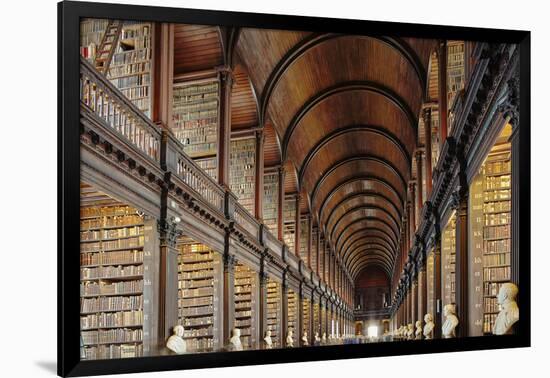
(69, 14)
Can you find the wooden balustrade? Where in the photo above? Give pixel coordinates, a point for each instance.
(200, 181)
(106, 101)
(244, 219)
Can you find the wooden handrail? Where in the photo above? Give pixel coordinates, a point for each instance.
(109, 104)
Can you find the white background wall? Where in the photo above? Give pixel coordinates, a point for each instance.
(28, 206)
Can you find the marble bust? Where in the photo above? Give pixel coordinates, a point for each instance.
(290, 338)
(317, 339)
(410, 331)
(418, 332)
(267, 340)
(305, 341)
(451, 321)
(235, 340)
(509, 311)
(324, 338)
(176, 343)
(428, 327)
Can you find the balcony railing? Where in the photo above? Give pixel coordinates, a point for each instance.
(106, 101)
(246, 221)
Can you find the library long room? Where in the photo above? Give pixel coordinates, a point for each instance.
(250, 189)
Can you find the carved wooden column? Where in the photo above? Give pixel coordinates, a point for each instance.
(442, 99)
(259, 175)
(163, 74)
(225, 77)
(461, 264)
(438, 316)
(317, 252)
(297, 224)
(168, 279)
(414, 301)
(281, 203)
(229, 262)
(427, 117)
(284, 322)
(263, 299)
(422, 289)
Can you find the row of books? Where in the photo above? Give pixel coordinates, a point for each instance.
(496, 232)
(134, 256)
(193, 302)
(491, 305)
(491, 288)
(113, 351)
(131, 81)
(95, 288)
(493, 207)
(107, 211)
(488, 322)
(195, 267)
(110, 233)
(131, 57)
(193, 322)
(118, 335)
(102, 304)
(496, 273)
(128, 243)
(270, 200)
(497, 195)
(111, 272)
(197, 106)
(199, 292)
(188, 92)
(503, 166)
(496, 259)
(242, 163)
(209, 165)
(195, 274)
(194, 284)
(498, 182)
(199, 332)
(112, 319)
(196, 311)
(497, 219)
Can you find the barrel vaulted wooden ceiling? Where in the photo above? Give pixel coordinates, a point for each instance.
(340, 114)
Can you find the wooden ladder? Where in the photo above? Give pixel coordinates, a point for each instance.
(108, 46)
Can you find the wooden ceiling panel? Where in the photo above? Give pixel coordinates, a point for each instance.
(262, 49)
(340, 224)
(357, 176)
(361, 108)
(291, 179)
(196, 48)
(272, 150)
(244, 112)
(338, 60)
(353, 145)
(422, 47)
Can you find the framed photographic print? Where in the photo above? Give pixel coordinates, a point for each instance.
(241, 188)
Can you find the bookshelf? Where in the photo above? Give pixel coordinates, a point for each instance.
(321, 257)
(274, 310)
(242, 170)
(430, 289)
(314, 234)
(435, 137)
(91, 33)
(448, 257)
(323, 321)
(111, 281)
(270, 200)
(305, 318)
(292, 313)
(304, 229)
(245, 304)
(316, 325)
(455, 69)
(199, 290)
(130, 68)
(289, 220)
(195, 121)
(490, 233)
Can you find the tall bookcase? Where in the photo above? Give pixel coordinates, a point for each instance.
(242, 168)
(245, 304)
(435, 136)
(314, 235)
(270, 200)
(430, 284)
(306, 309)
(195, 121)
(289, 222)
(91, 33)
(111, 281)
(292, 313)
(199, 290)
(304, 229)
(316, 319)
(274, 310)
(323, 321)
(130, 68)
(448, 259)
(490, 236)
(455, 69)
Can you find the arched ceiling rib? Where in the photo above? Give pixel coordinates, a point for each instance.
(345, 109)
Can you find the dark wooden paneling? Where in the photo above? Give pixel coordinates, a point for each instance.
(196, 47)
